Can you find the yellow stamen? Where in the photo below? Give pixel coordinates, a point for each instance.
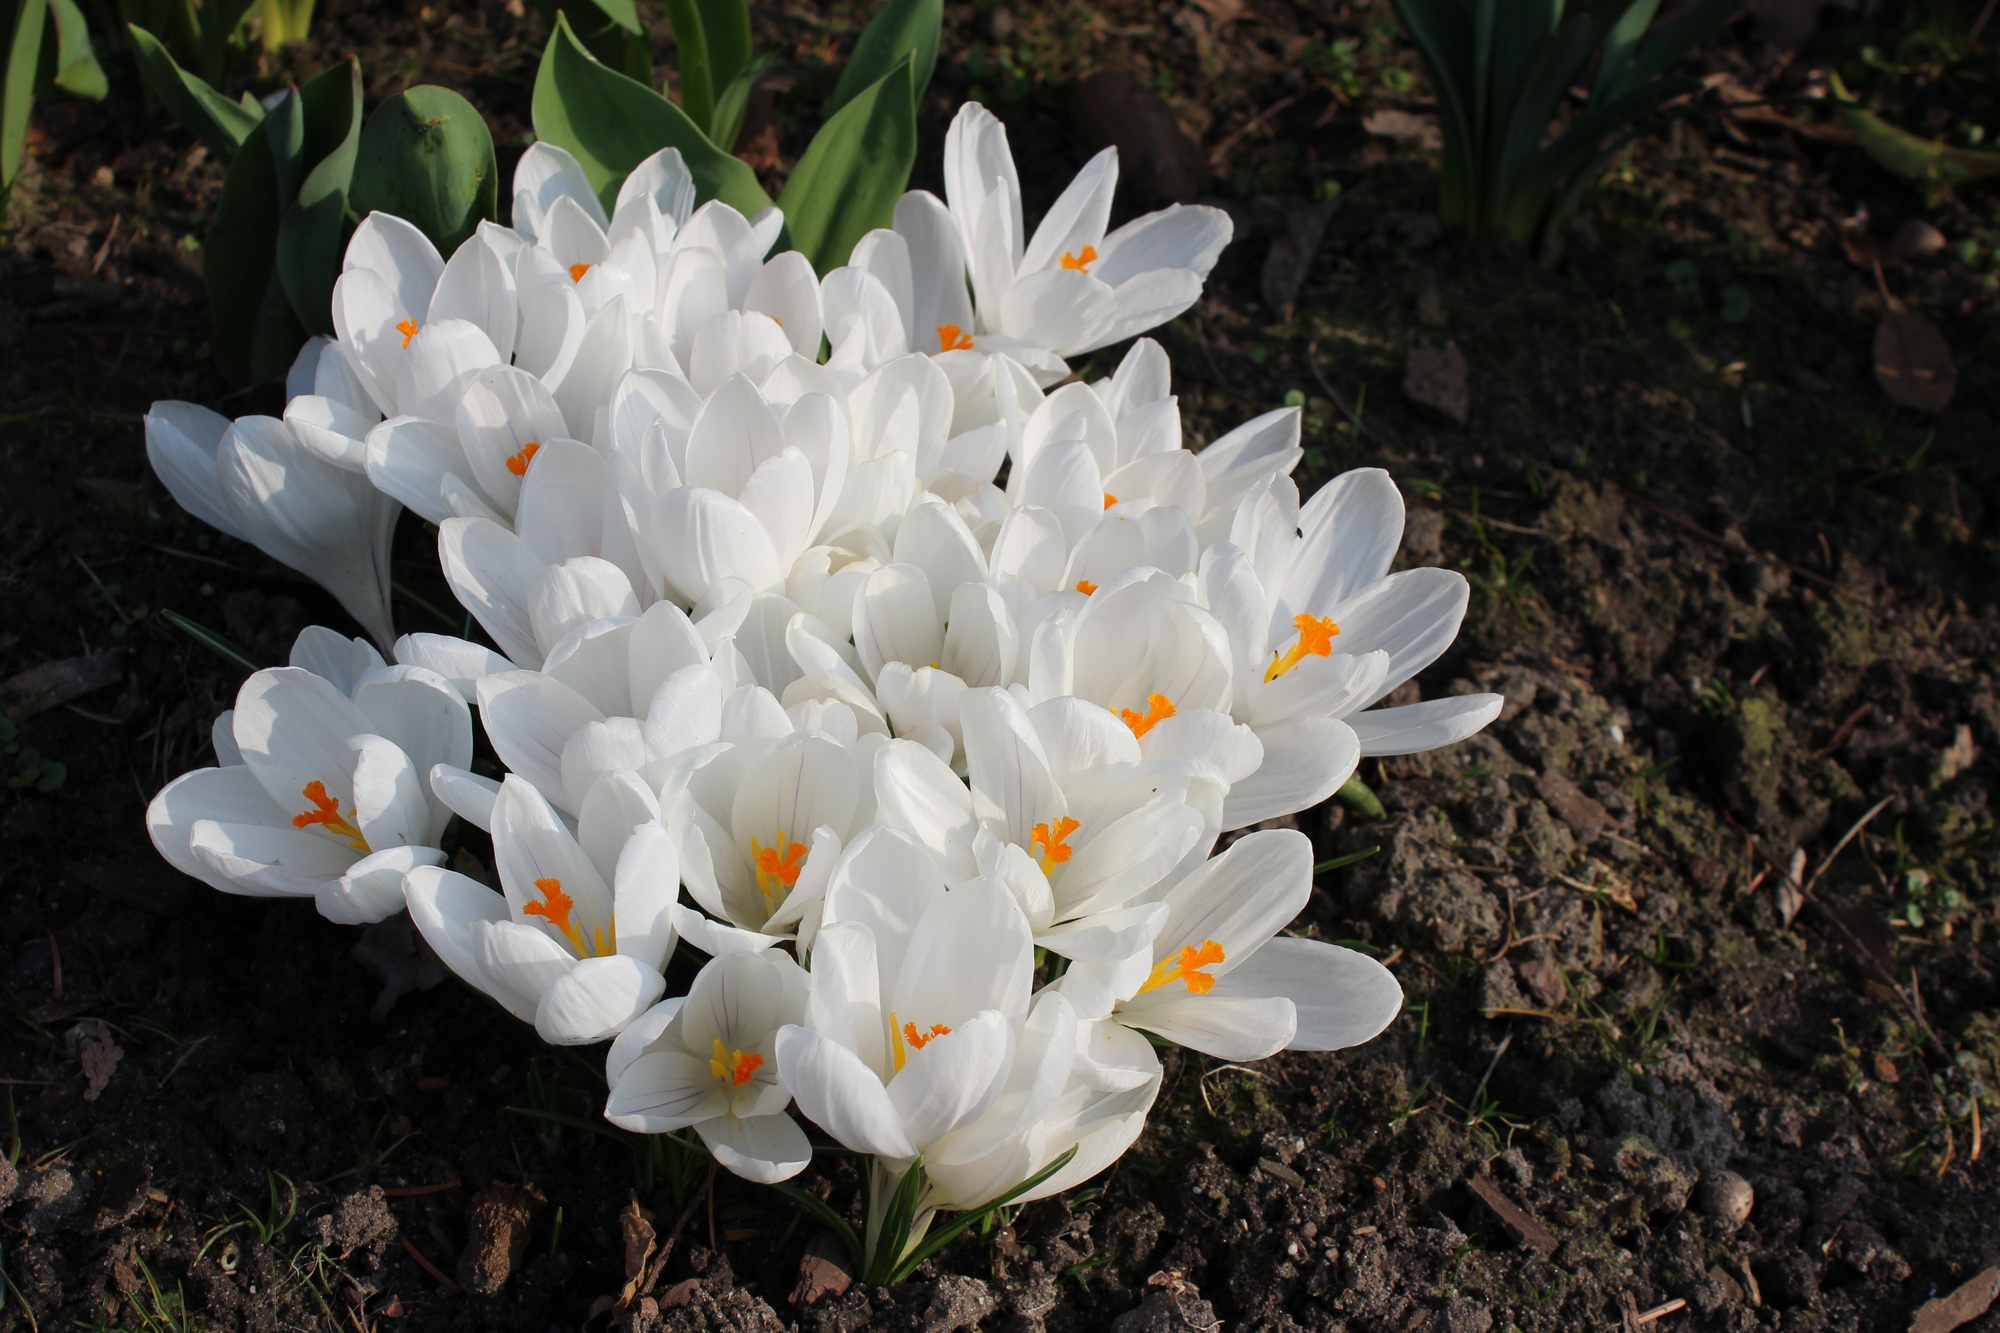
(408, 328)
(734, 1067)
(326, 815)
(1315, 640)
(1086, 587)
(778, 866)
(1158, 709)
(1079, 261)
(576, 272)
(555, 909)
(1186, 967)
(517, 463)
(1055, 845)
(952, 338)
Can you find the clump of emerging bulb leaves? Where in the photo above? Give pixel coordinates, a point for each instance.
(946, 776)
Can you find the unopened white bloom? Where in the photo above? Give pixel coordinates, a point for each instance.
(1215, 979)
(322, 792)
(708, 1062)
(576, 940)
(256, 480)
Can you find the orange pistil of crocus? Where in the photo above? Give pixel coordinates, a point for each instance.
(904, 1038)
(517, 463)
(734, 1067)
(576, 272)
(918, 1040)
(1079, 261)
(1158, 709)
(952, 338)
(326, 814)
(1109, 499)
(408, 328)
(1086, 587)
(1315, 640)
(555, 908)
(1186, 967)
(778, 865)
(1054, 842)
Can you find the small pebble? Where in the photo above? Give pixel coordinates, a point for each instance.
(1725, 1196)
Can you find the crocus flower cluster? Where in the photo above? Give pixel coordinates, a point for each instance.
(834, 633)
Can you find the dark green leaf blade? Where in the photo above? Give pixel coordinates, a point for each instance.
(427, 157)
(612, 123)
(854, 171)
(24, 54)
(256, 333)
(77, 71)
(902, 27)
(697, 82)
(726, 25)
(312, 230)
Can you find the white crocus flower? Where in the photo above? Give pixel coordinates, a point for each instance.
(411, 324)
(576, 940)
(1080, 836)
(257, 481)
(1144, 647)
(919, 998)
(322, 791)
(708, 1062)
(1215, 979)
(1100, 1109)
(475, 461)
(1071, 287)
(326, 405)
(759, 827)
(1319, 627)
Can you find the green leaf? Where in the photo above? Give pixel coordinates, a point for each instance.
(427, 156)
(256, 333)
(77, 71)
(833, 1221)
(944, 1235)
(902, 27)
(726, 26)
(285, 22)
(218, 122)
(214, 642)
(726, 121)
(854, 171)
(612, 123)
(1355, 794)
(1904, 154)
(312, 232)
(697, 86)
(609, 30)
(17, 98)
(219, 21)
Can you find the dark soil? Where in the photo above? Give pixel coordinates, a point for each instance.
(1737, 598)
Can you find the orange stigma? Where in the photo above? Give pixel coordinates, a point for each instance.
(778, 865)
(1086, 587)
(904, 1038)
(918, 1040)
(517, 463)
(1055, 845)
(1158, 709)
(576, 272)
(1109, 499)
(952, 338)
(1079, 261)
(326, 814)
(1186, 967)
(734, 1067)
(408, 328)
(555, 909)
(1315, 640)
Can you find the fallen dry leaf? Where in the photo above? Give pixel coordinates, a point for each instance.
(1912, 361)
(1961, 1307)
(100, 1056)
(1404, 127)
(52, 684)
(824, 1271)
(1438, 378)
